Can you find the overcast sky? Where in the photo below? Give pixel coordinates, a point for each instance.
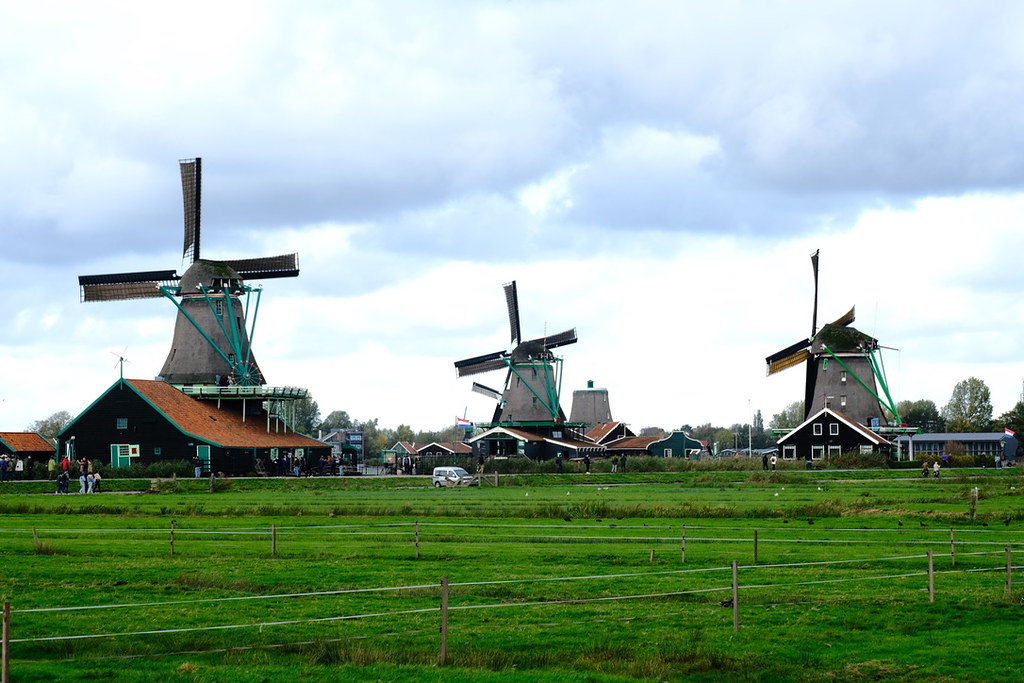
(655, 174)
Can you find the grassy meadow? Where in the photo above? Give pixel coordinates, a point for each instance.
(573, 577)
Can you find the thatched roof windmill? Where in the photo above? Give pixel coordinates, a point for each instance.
(533, 378)
(843, 368)
(216, 308)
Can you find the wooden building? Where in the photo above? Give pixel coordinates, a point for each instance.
(26, 445)
(149, 421)
(829, 433)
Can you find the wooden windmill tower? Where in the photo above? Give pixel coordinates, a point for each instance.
(533, 378)
(216, 308)
(843, 368)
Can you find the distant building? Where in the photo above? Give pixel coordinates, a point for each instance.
(983, 444)
(512, 442)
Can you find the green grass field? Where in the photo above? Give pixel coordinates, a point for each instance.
(551, 578)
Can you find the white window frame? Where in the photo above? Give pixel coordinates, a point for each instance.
(816, 429)
(842, 376)
(842, 400)
(835, 451)
(817, 452)
(833, 429)
(667, 452)
(788, 452)
(866, 449)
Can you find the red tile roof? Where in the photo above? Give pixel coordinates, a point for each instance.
(221, 427)
(601, 430)
(632, 442)
(26, 441)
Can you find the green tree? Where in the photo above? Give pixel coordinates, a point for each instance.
(923, 414)
(969, 408)
(404, 433)
(760, 436)
(723, 438)
(307, 416)
(51, 426)
(338, 419)
(790, 417)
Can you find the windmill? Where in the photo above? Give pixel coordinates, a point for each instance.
(533, 379)
(216, 308)
(843, 368)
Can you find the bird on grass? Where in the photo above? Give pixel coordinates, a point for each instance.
(568, 519)
(922, 524)
(1006, 522)
(810, 521)
(899, 523)
(984, 523)
(785, 521)
(726, 603)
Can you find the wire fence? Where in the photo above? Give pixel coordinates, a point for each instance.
(30, 630)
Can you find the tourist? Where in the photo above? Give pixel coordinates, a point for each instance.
(96, 482)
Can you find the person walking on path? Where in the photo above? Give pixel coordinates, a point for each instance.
(764, 462)
(622, 463)
(586, 462)
(774, 461)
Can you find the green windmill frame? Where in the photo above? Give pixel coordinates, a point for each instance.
(243, 370)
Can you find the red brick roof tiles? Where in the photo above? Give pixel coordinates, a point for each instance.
(26, 441)
(220, 427)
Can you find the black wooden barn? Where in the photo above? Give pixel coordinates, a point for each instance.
(149, 421)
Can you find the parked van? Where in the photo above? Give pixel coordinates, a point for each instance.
(453, 476)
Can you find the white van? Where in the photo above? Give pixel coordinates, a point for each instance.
(453, 476)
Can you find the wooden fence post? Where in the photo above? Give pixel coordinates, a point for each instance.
(172, 537)
(682, 550)
(1009, 573)
(952, 546)
(755, 546)
(417, 539)
(735, 597)
(273, 540)
(6, 675)
(974, 503)
(444, 620)
(652, 555)
(931, 577)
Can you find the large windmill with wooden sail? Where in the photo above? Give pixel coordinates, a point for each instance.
(533, 375)
(217, 308)
(843, 367)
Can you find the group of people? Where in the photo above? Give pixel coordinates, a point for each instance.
(935, 469)
(15, 467)
(89, 480)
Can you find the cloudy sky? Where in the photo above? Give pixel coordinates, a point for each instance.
(655, 174)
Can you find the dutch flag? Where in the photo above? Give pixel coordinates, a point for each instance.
(1009, 432)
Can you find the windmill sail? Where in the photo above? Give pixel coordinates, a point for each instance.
(533, 377)
(191, 192)
(213, 328)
